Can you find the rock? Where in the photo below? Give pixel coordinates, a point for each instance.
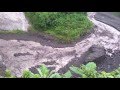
(0, 58)
(95, 52)
(13, 21)
(2, 69)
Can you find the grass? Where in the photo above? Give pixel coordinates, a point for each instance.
(11, 32)
(64, 26)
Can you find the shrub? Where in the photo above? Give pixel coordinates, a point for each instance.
(44, 72)
(86, 71)
(89, 71)
(65, 26)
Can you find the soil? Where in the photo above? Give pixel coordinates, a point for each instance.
(45, 40)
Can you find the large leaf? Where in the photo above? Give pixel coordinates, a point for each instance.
(8, 73)
(91, 65)
(44, 70)
(51, 73)
(55, 75)
(67, 74)
(36, 76)
(76, 70)
(40, 72)
(27, 74)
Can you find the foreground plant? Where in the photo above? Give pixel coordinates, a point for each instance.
(84, 71)
(44, 72)
(8, 74)
(90, 71)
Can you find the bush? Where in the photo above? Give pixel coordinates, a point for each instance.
(43, 72)
(86, 71)
(89, 71)
(65, 26)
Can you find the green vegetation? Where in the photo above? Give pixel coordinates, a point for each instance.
(43, 72)
(84, 71)
(89, 71)
(12, 32)
(65, 26)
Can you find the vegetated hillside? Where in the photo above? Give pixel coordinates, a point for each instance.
(65, 26)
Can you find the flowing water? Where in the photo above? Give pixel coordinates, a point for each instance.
(101, 27)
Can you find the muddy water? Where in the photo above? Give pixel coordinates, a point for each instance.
(101, 27)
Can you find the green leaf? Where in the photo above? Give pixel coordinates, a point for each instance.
(91, 65)
(52, 72)
(27, 74)
(36, 76)
(118, 76)
(40, 73)
(76, 70)
(56, 75)
(110, 76)
(8, 73)
(44, 70)
(67, 74)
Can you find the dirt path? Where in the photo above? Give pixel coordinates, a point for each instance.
(21, 52)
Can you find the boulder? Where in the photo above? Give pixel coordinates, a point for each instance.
(2, 69)
(13, 21)
(95, 52)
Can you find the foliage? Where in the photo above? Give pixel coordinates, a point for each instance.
(84, 71)
(65, 26)
(44, 72)
(12, 32)
(8, 74)
(89, 71)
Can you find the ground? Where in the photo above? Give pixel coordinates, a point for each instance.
(21, 52)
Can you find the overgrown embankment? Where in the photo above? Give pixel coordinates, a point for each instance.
(64, 26)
